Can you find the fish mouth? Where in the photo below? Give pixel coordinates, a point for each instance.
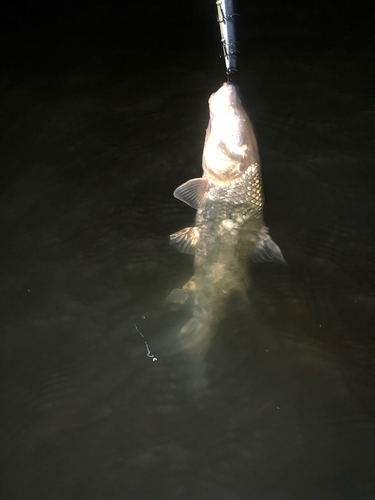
(225, 97)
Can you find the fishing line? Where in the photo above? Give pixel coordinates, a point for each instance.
(148, 349)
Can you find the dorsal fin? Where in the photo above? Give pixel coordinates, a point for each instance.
(192, 192)
(185, 240)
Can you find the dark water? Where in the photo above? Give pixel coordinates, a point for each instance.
(92, 148)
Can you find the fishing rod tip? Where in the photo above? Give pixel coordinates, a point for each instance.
(231, 75)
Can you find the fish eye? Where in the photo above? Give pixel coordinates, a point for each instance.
(236, 139)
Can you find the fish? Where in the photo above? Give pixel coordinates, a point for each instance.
(229, 229)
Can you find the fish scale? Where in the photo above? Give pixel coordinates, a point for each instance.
(239, 201)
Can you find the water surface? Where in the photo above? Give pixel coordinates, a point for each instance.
(91, 155)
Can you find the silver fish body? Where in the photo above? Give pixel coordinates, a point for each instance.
(229, 227)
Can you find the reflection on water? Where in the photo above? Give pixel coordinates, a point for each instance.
(86, 210)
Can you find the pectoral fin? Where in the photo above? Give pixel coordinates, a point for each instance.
(185, 240)
(192, 192)
(267, 250)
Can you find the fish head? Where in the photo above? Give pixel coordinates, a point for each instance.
(230, 147)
